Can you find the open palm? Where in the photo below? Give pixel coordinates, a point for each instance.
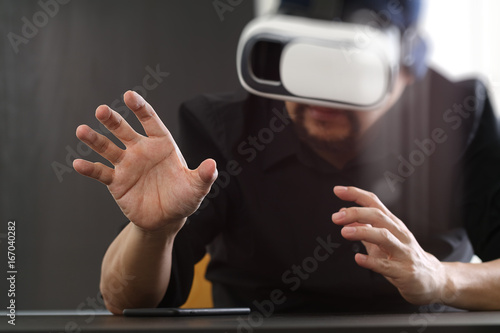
(150, 182)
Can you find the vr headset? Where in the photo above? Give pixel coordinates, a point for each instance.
(328, 63)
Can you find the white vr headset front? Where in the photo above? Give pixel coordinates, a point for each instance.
(310, 61)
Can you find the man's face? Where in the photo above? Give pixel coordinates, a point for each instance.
(337, 129)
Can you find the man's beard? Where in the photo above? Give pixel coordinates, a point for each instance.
(340, 145)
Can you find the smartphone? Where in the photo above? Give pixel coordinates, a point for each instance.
(177, 312)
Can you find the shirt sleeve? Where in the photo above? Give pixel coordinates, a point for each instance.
(482, 186)
(197, 142)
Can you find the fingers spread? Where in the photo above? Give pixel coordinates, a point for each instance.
(99, 143)
(146, 114)
(97, 171)
(115, 123)
(370, 216)
(377, 214)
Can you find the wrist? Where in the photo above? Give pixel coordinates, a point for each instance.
(168, 231)
(449, 292)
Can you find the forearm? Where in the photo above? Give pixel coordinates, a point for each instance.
(136, 268)
(473, 286)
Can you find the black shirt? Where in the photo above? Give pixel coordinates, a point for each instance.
(433, 160)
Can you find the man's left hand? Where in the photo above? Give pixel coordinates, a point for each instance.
(392, 249)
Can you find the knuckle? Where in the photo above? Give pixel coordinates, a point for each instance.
(114, 121)
(97, 170)
(147, 111)
(379, 215)
(102, 145)
(385, 264)
(400, 230)
(401, 235)
(357, 213)
(385, 233)
(360, 232)
(372, 196)
(393, 217)
(404, 234)
(353, 212)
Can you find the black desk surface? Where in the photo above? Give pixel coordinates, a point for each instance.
(476, 322)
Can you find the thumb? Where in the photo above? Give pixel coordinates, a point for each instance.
(206, 173)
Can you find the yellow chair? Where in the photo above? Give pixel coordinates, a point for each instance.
(200, 295)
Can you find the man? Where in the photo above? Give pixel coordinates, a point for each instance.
(415, 184)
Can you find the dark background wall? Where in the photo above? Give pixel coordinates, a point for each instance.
(56, 66)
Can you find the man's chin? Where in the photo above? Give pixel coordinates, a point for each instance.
(334, 128)
(326, 128)
(331, 131)
(325, 135)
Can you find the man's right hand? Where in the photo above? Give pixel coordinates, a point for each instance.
(150, 181)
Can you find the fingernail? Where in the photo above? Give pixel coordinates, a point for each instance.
(339, 216)
(341, 188)
(349, 230)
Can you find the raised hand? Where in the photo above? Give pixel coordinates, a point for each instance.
(150, 181)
